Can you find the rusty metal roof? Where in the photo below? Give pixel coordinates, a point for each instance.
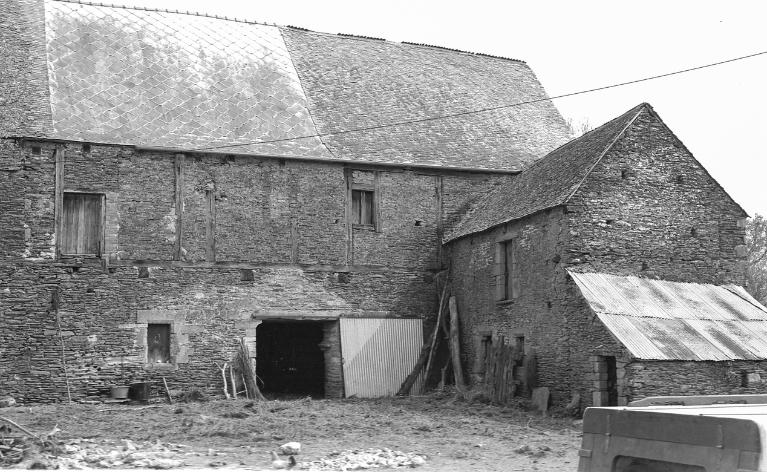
(663, 320)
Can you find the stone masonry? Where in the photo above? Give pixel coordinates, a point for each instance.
(280, 222)
(647, 208)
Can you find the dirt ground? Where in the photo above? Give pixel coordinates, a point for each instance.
(451, 434)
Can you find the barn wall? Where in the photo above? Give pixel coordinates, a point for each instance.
(259, 239)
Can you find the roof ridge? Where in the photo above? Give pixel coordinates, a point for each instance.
(350, 35)
(166, 10)
(434, 46)
(478, 204)
(298, 28)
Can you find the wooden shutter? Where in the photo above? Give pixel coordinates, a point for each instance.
(362, 207)
(500, 271)
(512, 269)
(81, 224)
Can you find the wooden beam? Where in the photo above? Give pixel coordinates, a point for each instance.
(359, 269)
(294, 242)
(377, 202)
(210, 226)
(440, 223)
(58, 206)
(348, 217)
(178, 171)
(455, 345)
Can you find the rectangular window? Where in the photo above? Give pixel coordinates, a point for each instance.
(363, 208)
(82, 224)
(508, 270)
(158, 343)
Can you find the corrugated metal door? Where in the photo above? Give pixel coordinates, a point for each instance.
(378, 354)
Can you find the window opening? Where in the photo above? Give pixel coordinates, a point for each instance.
(362, 207)
(509, 270)
(82, 228)
(158, 343)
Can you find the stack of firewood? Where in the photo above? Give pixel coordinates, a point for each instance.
(239, 375)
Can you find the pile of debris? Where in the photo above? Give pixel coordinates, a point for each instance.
(84, 453)
(12, 451)
(364, 459)
(18, 445)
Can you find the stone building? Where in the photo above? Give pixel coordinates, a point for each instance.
(171, 183)
(618, 259)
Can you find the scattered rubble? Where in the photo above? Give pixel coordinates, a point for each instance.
(6, 402)
(364, 459)
(87, 454)
(291, 448)
(538, 451)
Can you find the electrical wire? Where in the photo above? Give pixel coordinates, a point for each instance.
(481, 110)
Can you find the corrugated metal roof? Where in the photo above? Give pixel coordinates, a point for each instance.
(379, 354)
(662, 320)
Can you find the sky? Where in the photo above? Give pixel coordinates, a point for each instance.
(719, 113)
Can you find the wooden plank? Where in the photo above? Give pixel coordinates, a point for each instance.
(349, 217)
(499, 271)
(376, 202)
(178, 171)
(356, 207)
(210, 226)
(438, 189)
(455, 345)
(407, 384)
(513, 269)
(365, 204)
(102, 223)
(434, 335)
(58, 191)
(294, 242)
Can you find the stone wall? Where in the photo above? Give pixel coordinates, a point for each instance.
(540, 312)
(651, 378)
(25, 103)
(649, 208)
(646, 209)
(282, 249)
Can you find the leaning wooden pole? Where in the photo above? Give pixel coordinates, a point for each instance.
(436, 330)
(455, 345)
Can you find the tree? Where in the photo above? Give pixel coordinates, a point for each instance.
(756, 262)
(579, 129)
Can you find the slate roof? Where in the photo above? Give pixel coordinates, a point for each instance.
(160, 79)
(130, 76)
(662, 320)
(551, 181)
(355, 82)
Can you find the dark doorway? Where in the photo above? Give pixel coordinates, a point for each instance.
(289, 360)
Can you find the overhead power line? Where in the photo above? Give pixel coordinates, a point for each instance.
(480, 110)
